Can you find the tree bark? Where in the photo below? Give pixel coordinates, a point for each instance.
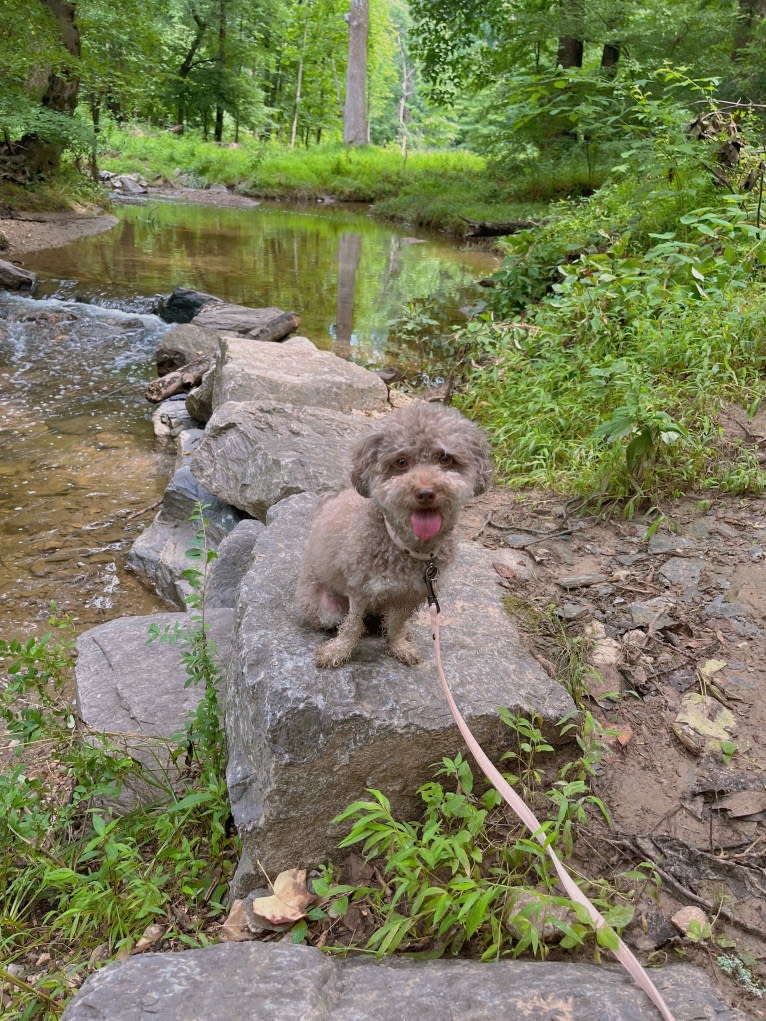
(750, 13)
(180, 381)
(186, 65)
(41, 156)
(610, 55)
(222, 29)
(356, 129)
(570, 52)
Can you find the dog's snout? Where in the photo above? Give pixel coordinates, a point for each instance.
(425, 495)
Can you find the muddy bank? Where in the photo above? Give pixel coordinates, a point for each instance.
(31, 232)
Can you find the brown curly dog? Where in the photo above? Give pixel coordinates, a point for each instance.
(368, 546)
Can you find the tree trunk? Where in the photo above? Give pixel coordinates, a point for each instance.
(750, 13)
(298, 87)
(218, 130)
(186, 66)
(41, 156)
(570, 52)
(356, 130)
(404, 99)
(610, 55)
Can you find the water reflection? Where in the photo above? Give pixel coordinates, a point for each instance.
(347, 275)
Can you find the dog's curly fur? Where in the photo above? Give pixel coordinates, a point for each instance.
(367, 548)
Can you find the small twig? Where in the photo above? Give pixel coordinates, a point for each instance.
(646, 848)
(143, 510)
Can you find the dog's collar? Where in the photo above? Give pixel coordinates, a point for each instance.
(425, 557)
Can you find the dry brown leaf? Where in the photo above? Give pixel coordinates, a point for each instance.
(235, 928)
(289, 901)
(150, 937)
(625, 736)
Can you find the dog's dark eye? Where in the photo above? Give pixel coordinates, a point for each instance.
(446, 460)
(401, 464)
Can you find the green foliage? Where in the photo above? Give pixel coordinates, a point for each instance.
(466, 878)
(78, 881)
(20, 116)
(624, 326)
(436, 188)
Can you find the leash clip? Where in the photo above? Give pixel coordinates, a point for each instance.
(430, 574)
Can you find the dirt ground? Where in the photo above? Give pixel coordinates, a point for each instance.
(672, 619)
(30, 232)
(670, 615)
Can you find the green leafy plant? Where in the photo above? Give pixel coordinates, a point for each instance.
(80, 882)
(466, 878)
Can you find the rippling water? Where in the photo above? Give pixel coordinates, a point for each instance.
(77, 459)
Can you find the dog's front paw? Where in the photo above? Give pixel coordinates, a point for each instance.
(331, 655)
(404, 651)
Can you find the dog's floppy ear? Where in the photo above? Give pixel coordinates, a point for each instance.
(364, 457)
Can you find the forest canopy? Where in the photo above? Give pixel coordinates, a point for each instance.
(438, 72)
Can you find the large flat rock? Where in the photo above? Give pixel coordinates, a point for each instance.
(304, 743)
(277, 981)
(134, 690)
(255, 454)
(293, 372)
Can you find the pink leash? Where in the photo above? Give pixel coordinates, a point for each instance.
(623, 953)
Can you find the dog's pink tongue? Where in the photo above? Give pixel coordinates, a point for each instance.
(426, 523)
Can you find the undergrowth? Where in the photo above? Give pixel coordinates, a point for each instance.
(435, 187)
(625, 329)
(467, 878)
(80, 881)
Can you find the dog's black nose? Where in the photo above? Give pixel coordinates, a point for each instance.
(424, 495)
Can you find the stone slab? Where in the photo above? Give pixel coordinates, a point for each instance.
(277, 981)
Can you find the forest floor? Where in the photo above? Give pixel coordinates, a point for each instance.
(673, 619)
(674, 625)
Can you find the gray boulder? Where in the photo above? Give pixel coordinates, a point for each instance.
(232, 562)
(199, 401)
(14, 278)
(294, 372)
(134, 690)
(275, 981)
(304, 743)
(221, 315)
(254, 454)
(159, 554)
(183, 304)
(171, 418)
(183, 343)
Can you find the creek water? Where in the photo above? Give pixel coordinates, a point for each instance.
(79, 472)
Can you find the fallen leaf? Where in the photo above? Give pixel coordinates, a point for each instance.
(703, 723)
(150, 937)
(711, 667)
(235, 928)
(289, 901)
(688, 918)
(625, 736)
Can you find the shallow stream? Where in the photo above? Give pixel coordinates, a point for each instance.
(79, 474)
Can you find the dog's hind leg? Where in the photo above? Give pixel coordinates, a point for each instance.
(338, 650)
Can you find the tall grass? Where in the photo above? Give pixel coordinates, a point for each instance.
(437, 188)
